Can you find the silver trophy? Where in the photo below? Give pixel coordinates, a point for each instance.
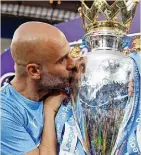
(100, 94)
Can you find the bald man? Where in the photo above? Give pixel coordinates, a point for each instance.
(42, 64)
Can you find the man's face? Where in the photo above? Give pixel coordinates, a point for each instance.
(57, 69)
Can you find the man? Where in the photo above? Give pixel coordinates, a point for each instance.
(42, 64)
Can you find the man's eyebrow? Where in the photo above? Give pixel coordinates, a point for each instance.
(65, 56)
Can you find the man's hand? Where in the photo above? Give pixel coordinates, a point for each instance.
(81, 64)
(48, 145)
(131, 87)
(78, 71)
(53, 102)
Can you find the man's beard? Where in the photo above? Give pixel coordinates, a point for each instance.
(52, 83)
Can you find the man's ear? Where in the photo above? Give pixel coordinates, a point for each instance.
(34, 71)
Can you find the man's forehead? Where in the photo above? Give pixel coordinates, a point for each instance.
(56, 52)
(64, 50)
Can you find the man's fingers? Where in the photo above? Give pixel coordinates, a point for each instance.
(131, 83)
(80, 64)
(131, 89)
(130, 93)
(62, 97)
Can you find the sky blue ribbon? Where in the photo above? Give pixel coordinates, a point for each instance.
(128, 142)
(64, 115)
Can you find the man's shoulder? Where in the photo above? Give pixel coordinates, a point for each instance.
(3, 88)
(5, 93)
(9, 103)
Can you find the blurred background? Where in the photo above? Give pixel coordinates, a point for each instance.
(14, 13)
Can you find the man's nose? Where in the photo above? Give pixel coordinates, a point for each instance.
(71, 63)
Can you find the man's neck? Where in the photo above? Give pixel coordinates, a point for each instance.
(27, 88)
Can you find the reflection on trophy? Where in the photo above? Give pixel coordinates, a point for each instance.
(75, 52)
(102, 92)
(137, 43)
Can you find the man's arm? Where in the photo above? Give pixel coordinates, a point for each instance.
(48, 145)
(48, 141)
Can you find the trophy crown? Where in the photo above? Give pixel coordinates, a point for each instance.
(125, 8)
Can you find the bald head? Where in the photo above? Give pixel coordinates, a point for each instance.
(33, 40)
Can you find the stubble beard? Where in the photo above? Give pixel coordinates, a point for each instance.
(52, 83)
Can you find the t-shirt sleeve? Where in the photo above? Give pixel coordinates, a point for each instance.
(15, 140)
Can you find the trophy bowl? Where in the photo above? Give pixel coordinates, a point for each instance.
(100, 94)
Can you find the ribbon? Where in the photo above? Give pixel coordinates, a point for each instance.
(128, 141)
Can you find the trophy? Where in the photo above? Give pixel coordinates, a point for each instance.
(100, 94)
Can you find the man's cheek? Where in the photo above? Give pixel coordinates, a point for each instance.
(62, 73)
